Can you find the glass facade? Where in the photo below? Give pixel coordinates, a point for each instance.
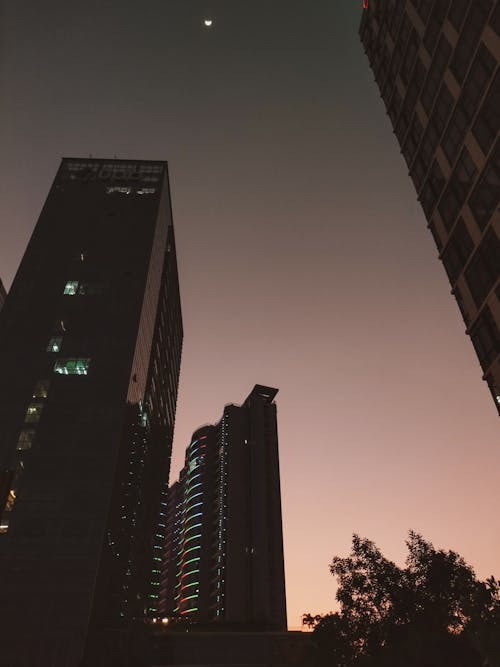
(90, 357)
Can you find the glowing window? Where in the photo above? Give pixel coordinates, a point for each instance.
(41, 389)
(71, 287)
(25, 439)
(72, 366)
(54, 344)
(33, 412)
(119, 189)
(11, 499)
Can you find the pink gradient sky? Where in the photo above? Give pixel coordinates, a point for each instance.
(304, 258)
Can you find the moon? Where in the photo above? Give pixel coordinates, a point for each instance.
(208, 22)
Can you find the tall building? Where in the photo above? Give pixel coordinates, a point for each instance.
(90, 348)
(436, 65)
(224, 557)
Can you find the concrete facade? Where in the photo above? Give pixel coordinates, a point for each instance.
(436, 65)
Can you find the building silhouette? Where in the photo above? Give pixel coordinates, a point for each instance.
(436, 65)
(90, 348)
(224, 556)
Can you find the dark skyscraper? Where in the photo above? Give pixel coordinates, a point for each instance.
(90, 348)
(436, 65)
(224, 534)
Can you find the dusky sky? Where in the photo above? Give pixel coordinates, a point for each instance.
(304, 258)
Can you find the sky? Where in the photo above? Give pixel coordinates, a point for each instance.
(304, 258)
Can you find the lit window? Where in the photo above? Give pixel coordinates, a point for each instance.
(33, 412)
(25, 440)
(72, 366)
(41, 389)
(71, 287)
(120, 190)
(11, 499)
(54, 344)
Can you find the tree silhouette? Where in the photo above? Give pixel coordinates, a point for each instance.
(432, 613)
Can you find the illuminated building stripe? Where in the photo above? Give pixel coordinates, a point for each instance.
(191, 561)
(186, 574)
(196, 525)
(198, 546)
(195, 583)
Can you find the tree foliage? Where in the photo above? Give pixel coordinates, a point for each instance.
(433, 612)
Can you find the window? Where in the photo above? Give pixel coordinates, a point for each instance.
(484, 199)
(33, 412)
(457, 13)
(485, 338)
(423, 8)
(442, 109)
(480, 73)
(495, 23)
(41, 389)
(461, 304)
(418, 172)
(435, 236)
(486, 127)
(435, 25)
(429, 143)
(436, 72)
(457, 251)
(409, 58)
(458, 188)
(410, 101)
(72, 366)
(54, 344)
(395, 106)
(90, 289)
(413, 139)
(11, 499)
(432, 189)
(469, 38)
(477, 81)
(396, 19)
(484, 268)
(25, 440)
(118, 189)
(71, 287)
(455, 134)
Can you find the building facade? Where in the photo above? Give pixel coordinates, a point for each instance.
(436, 65)
(225, 538)
(90, 348)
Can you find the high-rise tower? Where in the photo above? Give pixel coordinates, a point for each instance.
(224, 541)
(436, 65)
(90, 348)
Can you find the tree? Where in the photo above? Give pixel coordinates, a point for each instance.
(431, 613)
